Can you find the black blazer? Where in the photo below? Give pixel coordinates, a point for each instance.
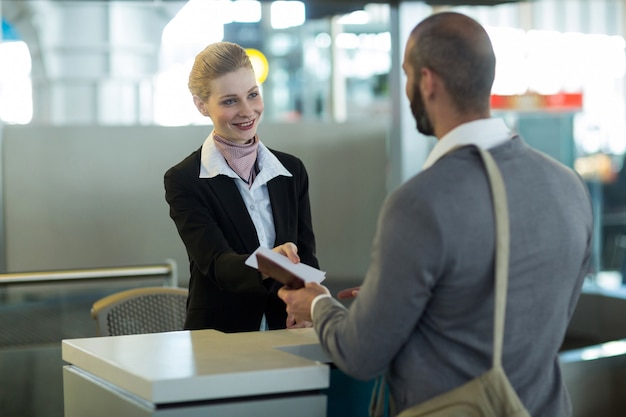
(218, 233)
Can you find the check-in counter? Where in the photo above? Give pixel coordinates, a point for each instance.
(596, 379)
(196, 373)
(286, 373)
(594, 358)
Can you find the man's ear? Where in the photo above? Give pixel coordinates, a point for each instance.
(200, 105)
(427, 82)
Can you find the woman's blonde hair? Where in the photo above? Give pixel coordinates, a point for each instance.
(215, 60)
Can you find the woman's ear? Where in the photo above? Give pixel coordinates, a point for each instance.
(200, 105)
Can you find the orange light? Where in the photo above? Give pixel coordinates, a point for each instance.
(259, 64)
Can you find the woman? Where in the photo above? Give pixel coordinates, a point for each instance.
(232, 195)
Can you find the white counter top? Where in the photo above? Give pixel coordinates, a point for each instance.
(203, 364)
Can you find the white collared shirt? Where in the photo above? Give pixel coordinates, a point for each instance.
(484, 133)
(256, 198)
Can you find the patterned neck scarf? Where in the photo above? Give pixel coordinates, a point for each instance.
(241, 158)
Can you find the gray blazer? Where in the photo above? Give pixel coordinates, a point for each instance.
(424, 313)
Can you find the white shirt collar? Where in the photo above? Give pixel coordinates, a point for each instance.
(212, 164)
(484, 133)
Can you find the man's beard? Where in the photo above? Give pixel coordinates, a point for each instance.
(424, 126)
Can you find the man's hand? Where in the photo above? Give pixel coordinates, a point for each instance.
(299, 301)
(348, 293)
(292, 324)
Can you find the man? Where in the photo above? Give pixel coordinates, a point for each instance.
(424, 314)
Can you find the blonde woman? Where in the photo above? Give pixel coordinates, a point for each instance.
(232, 195)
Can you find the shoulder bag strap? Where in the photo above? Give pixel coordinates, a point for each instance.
(501, 212)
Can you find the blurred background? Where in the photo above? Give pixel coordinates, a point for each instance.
(94, 109)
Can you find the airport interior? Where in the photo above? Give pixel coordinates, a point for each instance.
(94, 108)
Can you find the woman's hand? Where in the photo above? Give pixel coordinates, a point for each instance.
(290, 250)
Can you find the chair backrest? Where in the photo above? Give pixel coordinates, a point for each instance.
(141, 310)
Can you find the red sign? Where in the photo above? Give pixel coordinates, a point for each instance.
(538, 102)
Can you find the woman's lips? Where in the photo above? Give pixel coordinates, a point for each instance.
(245, 125)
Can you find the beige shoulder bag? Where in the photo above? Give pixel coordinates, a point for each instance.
(490, 394)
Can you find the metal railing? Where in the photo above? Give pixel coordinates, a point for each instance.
(167, 269)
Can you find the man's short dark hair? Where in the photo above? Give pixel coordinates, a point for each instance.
(461, 55)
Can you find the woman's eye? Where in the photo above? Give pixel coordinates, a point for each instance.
(229, 101)
(254, 95)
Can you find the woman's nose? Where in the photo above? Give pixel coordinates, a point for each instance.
(245, 109)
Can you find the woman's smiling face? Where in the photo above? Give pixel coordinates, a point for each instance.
(235, 105)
